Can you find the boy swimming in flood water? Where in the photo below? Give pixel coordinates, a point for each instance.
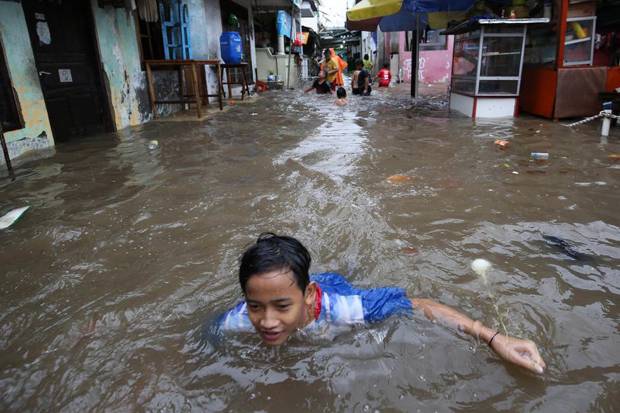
(281, 298)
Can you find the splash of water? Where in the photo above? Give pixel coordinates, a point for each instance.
(481, 267)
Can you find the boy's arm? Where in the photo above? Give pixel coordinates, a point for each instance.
(309, 89)
(520, 352)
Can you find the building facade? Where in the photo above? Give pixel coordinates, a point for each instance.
(76, 67)
(435, 63)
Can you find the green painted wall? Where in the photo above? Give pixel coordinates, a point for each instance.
(124, 78)
(37, 133)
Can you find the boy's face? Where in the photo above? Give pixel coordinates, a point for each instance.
(276, 305)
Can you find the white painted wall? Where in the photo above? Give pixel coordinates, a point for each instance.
(495, 107)
(205, 31)
(277, 64)
(486, 107)
(461, 103)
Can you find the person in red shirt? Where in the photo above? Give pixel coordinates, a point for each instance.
(384, 76)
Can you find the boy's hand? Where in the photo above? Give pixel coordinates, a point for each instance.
(520, 352)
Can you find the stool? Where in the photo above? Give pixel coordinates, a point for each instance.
(229, 82)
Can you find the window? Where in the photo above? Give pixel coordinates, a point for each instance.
(10, 117)
(164, 32)
(433, 41)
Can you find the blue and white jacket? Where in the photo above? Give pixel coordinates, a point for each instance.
(341, 304)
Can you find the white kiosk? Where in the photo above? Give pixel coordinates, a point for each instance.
(486, 66)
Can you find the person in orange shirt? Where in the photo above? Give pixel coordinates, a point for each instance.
(334, 66)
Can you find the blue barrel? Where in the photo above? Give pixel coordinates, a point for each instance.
(230, 45)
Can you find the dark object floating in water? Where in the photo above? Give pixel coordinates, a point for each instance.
(566, 248)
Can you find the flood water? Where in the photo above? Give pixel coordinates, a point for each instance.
(108, 279)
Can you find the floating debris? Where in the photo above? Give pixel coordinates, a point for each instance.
(153, 145)
(615, 157)
(409, 250)
(9, 218)
(398, 179)
(502, 144)
(599, 183)
(566, 248)
(540, 156)
(481, 266)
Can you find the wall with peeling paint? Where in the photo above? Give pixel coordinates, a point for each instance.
(37, 133)
(205, 27)
(123, 75)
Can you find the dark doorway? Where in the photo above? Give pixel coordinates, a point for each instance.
(62, 37)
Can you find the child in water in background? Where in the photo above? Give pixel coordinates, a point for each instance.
(341, 95)
(367, 64)
(281, 298)
(384, 76)
(360, 82)
(320, 85)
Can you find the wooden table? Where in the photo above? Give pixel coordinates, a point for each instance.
(244, 81)
(198, 83)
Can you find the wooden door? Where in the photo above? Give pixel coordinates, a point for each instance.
(62, 37)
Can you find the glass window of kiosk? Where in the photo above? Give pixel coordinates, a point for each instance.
(488, 61)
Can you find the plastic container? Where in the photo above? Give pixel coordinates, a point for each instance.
(230, 46)
(540, 156)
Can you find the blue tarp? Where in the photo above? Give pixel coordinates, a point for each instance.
(429, 6)
(283, 23)
(405, 19)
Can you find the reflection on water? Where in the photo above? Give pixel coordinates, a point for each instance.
(125, 252)
(335, 146)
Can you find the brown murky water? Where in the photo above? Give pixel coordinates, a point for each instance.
(108, 279)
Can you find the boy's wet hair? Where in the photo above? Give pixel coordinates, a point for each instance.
(386, 65)
(366, 57)
(341, 93)
(273, 252)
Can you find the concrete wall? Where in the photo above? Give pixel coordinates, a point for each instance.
(205, 31)
(276, 64)
(37, 133)
(120, 56)
(205, 27)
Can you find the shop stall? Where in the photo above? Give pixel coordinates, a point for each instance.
(487, 65)
(566, 70)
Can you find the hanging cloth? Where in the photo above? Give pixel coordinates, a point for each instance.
(147, 10)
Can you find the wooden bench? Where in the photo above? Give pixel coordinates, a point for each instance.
(196, 92)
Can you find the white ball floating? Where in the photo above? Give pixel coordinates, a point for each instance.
(480, 266)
